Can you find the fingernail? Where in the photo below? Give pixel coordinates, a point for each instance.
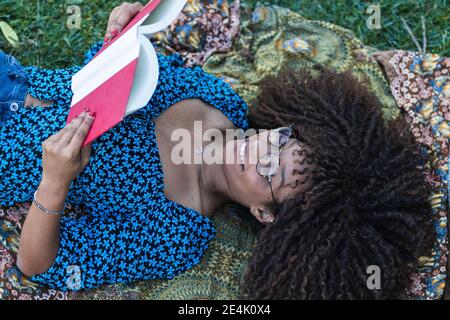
(92, 114)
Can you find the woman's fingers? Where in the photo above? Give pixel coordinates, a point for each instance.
(81, 133)
(111, 22)
(120, 17)
(66, 134)
(126, 14)
(62, 156)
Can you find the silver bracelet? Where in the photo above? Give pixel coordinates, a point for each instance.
(40, 206)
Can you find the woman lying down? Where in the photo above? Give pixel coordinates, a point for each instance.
(338, 190)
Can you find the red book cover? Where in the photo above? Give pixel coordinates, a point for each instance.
(122, 76)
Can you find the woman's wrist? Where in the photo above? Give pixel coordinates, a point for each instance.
(55, 185)
(52, 195)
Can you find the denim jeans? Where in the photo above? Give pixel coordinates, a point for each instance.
(13, 86)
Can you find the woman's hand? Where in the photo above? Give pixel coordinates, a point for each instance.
(63, 159)
(119, 18)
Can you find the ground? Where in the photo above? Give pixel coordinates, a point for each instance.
(45, 39)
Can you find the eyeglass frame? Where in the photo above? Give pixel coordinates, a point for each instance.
(267, 176)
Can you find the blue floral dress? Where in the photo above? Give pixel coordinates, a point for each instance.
(131, 230)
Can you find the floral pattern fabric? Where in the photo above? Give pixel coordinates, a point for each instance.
(273, 37)
(203, 28)
(13, 284)
(421, 87)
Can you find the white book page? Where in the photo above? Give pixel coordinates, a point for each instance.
(146, 77)
(164, 14)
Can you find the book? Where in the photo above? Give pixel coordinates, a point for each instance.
(122, 76)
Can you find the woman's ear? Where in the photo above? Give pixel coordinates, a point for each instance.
(263, 214)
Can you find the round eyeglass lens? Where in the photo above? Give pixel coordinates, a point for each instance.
(279, 137)
(267, 166)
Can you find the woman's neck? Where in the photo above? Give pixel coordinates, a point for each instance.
(214, 191)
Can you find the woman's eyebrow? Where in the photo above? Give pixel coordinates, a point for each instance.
(283, 170)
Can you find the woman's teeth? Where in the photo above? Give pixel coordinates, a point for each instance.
(242, 152)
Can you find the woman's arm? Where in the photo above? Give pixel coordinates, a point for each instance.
(62, 160)
(40, 237)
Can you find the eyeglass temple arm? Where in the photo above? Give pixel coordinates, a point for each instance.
(269, 179)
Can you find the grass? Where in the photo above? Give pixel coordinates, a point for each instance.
(45, 40)
(352, 15)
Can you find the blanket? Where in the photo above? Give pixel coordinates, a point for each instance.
(243, 46)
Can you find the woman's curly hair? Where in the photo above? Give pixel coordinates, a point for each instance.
(368, 204)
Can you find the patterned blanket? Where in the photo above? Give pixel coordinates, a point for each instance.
(421, 87)
(242, 47)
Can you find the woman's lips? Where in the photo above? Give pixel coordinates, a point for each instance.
(242, 152)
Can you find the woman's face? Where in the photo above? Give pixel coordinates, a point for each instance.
(251, 189)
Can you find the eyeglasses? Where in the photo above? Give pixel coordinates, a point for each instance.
(267, 166)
